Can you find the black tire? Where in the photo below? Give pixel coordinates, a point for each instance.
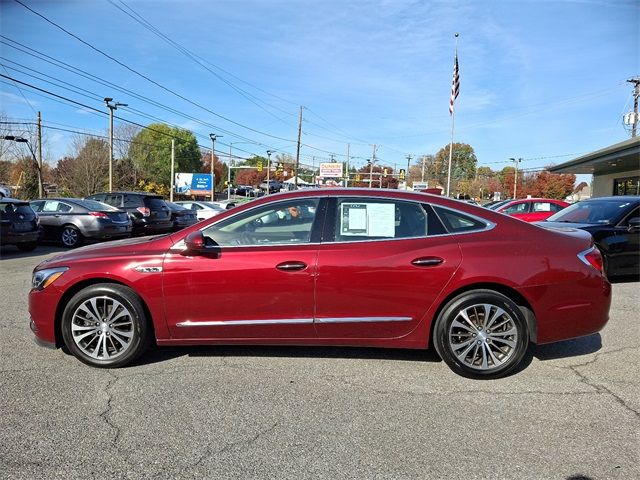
(471, 349)
(70, 236)
(93, 342)
(27, 246)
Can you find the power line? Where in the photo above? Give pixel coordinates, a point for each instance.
(141, 75)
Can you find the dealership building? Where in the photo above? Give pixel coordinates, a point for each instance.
(615, 169)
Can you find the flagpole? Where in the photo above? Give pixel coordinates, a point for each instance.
(453, 120)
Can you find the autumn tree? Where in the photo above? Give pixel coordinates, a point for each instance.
(150, 151)
(219, 168)
(86, 172)
(549, 185)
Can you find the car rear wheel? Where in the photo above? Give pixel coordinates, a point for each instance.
(70, 236)
(105, 325)
(481, 334)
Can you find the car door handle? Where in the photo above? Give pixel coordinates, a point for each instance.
(427, 261)
(57, 215)
(291, 266)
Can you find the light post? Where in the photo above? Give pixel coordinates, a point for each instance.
(516, 161)
(269, 152)
(12, 138)
(111, 106)
(213, 138)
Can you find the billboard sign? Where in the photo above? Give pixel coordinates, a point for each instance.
(193, 183)
(331, 170)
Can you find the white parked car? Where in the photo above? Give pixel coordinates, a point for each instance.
(203, 210)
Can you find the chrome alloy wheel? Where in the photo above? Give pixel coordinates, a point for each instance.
(483, 336)
(70, 236)
(102, 328)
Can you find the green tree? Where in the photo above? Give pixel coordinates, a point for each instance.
(463, 165)
(150, 151)
(88, 171)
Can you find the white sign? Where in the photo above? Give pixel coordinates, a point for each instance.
(420, 185)
(368, 219)
(331, 170)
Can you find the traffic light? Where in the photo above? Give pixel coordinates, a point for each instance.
(384, 173)
(402, 174)
(358, 177)
(259, 165)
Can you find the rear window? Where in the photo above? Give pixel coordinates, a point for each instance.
(594, 212)
(95, 206)
(458, 222)
(154, 203)
(21, 208)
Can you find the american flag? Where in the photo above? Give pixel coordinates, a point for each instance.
(455, 85)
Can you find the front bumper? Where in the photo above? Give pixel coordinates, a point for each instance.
(42, 308)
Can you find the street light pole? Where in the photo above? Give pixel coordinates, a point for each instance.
(13, 138)
(516, 161)
(111, 106)
(269, 152)
(213, 138)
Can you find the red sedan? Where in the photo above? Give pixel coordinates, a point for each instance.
(532, 209)
(330, 267)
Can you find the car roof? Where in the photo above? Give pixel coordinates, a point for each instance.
(15, 201)
(125, 192)
(633, 198)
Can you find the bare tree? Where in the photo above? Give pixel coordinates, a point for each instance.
(87, 171)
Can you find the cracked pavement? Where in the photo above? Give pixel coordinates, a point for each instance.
(335, 413)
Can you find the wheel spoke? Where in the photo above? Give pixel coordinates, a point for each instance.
(457, 324)
(466, 318)
(497, 314)
(77, 338)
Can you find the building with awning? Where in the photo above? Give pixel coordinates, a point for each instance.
(615, 169)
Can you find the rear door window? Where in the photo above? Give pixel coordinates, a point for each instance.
(154, 203)
(458, 222)
(522, 207)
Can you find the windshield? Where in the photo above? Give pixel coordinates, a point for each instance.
(213, 206)
(593, 212)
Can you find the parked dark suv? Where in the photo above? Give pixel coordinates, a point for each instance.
(148, 212)
(18, 224)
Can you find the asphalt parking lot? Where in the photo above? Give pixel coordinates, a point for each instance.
(334, 413)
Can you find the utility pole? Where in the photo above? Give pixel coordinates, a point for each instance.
(406, 175)
(636, 93)
(373, 160)
(346, 176)
(173, 163)
(111, 106)
(213, 138)
(516, 161)
(40, 184)
(298, 149)
(422, 177)
(269, 152)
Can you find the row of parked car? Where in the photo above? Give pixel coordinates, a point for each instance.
(102, 216)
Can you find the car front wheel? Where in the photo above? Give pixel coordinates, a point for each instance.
(105, 325)
(481, 334)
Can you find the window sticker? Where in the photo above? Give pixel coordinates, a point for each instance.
(367, 219)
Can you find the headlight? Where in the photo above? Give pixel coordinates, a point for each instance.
(43, 278)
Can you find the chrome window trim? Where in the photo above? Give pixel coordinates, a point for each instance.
(362, 319)
(489, 225)
(235, 323)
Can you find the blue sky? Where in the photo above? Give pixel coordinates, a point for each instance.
(541, 80)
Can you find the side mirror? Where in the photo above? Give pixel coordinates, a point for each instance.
(197, 245)
(634, 224)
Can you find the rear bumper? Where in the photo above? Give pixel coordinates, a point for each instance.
(19, 237)
(110, 231)
(153, 226)
(570, 310)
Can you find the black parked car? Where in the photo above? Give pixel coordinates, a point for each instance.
(148, 212)
(18, 224)
(182, 217)
(614, 223)
(71, 221)
(274, 186)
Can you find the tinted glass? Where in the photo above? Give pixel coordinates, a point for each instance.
(593, 211)
(55, 206)
(522, 207)
(458, 222)
(94, 206)
(21, 208)
(154, 203)
(175, 206)
(113, 199)
(213, 206)
(288, 222)
(37, 206)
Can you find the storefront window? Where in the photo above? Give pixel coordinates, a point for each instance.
(626, 186)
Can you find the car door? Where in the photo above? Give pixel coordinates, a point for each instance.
(624, 246)
(517, 209)
(258, 285)
(382, 266)
(53, 215)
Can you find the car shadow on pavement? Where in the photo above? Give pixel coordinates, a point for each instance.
(161, 354)
(9, 251)
(625, 279)
(569, 348)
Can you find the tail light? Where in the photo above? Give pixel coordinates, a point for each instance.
(593, 258)
(99, 214)
(144, 211)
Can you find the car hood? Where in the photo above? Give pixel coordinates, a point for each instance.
(129, 246)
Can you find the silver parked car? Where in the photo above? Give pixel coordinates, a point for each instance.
(71, 221)
(203, 210)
